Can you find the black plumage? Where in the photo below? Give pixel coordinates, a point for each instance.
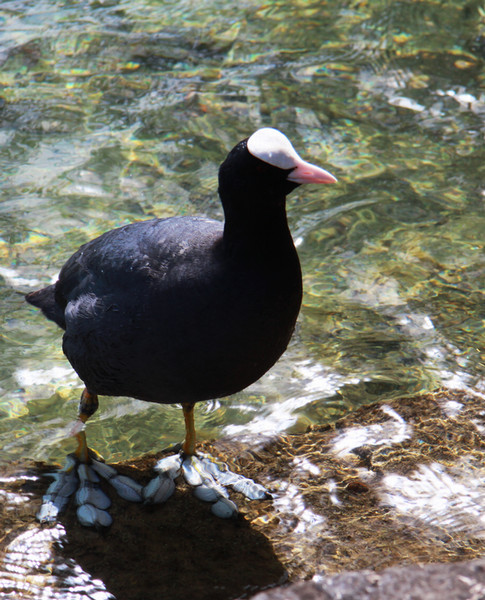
(185, 309)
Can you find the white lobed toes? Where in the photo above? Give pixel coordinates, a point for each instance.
(250, 489)
(192, 472)
(52, 507)
(207, 477)
(159, 489)
(206, 493)
(196, 474)
(64, 484)
(170, 465)
(87, 474)
(224, 508)
(57, 494)
(104, 470)
(239, 483)
(220, 473)
(125, 487)
(208, 481)
(91, 500)
(89, 493)
(90, 516)
(83, 480)
(50, 510)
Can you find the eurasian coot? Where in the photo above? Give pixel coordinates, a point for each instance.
(181, 310)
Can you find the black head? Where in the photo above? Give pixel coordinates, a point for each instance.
(263, 169)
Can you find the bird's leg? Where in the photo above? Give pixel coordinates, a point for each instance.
(162, 487)
(88, 405)
(84, 467)
(207, 477)
(188, 447)
(81, 475)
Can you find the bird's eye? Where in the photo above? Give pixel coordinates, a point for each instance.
(262, 167)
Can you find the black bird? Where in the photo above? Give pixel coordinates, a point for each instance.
(182, 310)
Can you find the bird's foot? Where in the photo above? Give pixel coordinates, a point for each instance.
(83, 479)
(209, 480)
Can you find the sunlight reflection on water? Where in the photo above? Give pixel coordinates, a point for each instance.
(394, 431)
(114, 113)
(31, 571)
(440, 496)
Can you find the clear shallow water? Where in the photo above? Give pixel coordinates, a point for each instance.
(114, 112)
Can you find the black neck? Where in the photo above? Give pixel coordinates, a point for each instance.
(257, 227)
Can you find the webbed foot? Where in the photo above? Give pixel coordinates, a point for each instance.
(209, 480)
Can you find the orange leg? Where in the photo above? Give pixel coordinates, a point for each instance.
(188, 447)
(87, 407)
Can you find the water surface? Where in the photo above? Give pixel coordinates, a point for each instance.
(112, 112)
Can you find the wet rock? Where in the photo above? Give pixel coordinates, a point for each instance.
(460, 581)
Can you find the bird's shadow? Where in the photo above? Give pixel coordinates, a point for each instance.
(177, 550)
